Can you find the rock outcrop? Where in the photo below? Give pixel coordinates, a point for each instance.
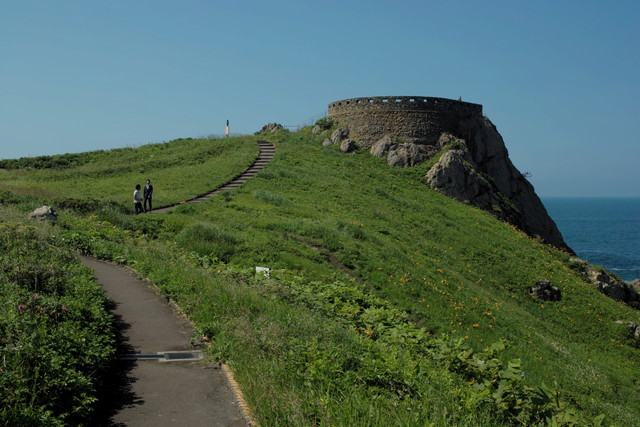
(456, 175)
(402, 154)
(407, 154)
(348, 145)
(270, 128)
(382, 146)
(545, 291)
(339, 134)
(607, 283)
(44, 213)
(496, 185)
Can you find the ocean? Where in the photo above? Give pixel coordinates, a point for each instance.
(602, 231)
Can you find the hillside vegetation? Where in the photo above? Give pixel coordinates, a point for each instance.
(387, 303)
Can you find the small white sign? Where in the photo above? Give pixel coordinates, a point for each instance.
(265, 271)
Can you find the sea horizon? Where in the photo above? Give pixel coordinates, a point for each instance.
(604, 231)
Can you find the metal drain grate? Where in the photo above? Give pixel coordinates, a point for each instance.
(167, 356)
(182, 356)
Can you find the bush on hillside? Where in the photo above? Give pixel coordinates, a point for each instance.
(58, 161)
(325, 123)
(57, 338)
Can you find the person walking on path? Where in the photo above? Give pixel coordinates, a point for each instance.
(148, 195)
(137, 200)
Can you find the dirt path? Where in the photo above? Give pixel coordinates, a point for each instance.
(154, 392)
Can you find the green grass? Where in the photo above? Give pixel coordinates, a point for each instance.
(346, 234)
(179, 170)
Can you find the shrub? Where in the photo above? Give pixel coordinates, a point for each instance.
(85, 206)
(57, 338)
(326, 123)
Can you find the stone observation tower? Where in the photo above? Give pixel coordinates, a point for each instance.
(414, 119)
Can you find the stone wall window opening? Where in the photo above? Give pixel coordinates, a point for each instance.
(371, 101)
(385, 100)
(412, 100)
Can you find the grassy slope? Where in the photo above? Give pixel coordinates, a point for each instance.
(178, 170)
(453, 268)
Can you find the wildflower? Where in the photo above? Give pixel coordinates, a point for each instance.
(36, 296)
(21, 307)
(368, 331)
(64, 308)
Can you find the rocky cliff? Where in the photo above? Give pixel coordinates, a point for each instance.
(480, 172)
(476, 170)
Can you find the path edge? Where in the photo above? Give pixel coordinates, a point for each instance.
(228, 372)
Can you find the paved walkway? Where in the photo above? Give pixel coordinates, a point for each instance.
(155, 393)
(150, 392)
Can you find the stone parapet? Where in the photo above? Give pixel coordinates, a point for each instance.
(414, 119)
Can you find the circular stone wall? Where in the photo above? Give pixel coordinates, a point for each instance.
(420, 120)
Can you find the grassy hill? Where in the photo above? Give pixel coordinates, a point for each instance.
(388, 303)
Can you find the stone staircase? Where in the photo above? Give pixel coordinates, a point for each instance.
(267, 151)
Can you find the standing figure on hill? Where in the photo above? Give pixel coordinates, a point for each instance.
(148, 195)
(137, 200)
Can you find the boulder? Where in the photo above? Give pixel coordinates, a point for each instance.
(327, 142)
(270, 128)
(348, 146)
(382, 146)
(339, 134)
(44, 213)
(407, 155)
(544, 290)
(316, 129)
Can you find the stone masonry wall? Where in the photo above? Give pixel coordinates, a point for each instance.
(419, 120)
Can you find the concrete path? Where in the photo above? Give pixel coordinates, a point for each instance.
(151, 392)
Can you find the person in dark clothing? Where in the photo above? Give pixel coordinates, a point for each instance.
(137, 200)
(148, 195)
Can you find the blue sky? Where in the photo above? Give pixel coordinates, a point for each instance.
(560, 80)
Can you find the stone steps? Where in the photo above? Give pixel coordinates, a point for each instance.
(267, 152)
